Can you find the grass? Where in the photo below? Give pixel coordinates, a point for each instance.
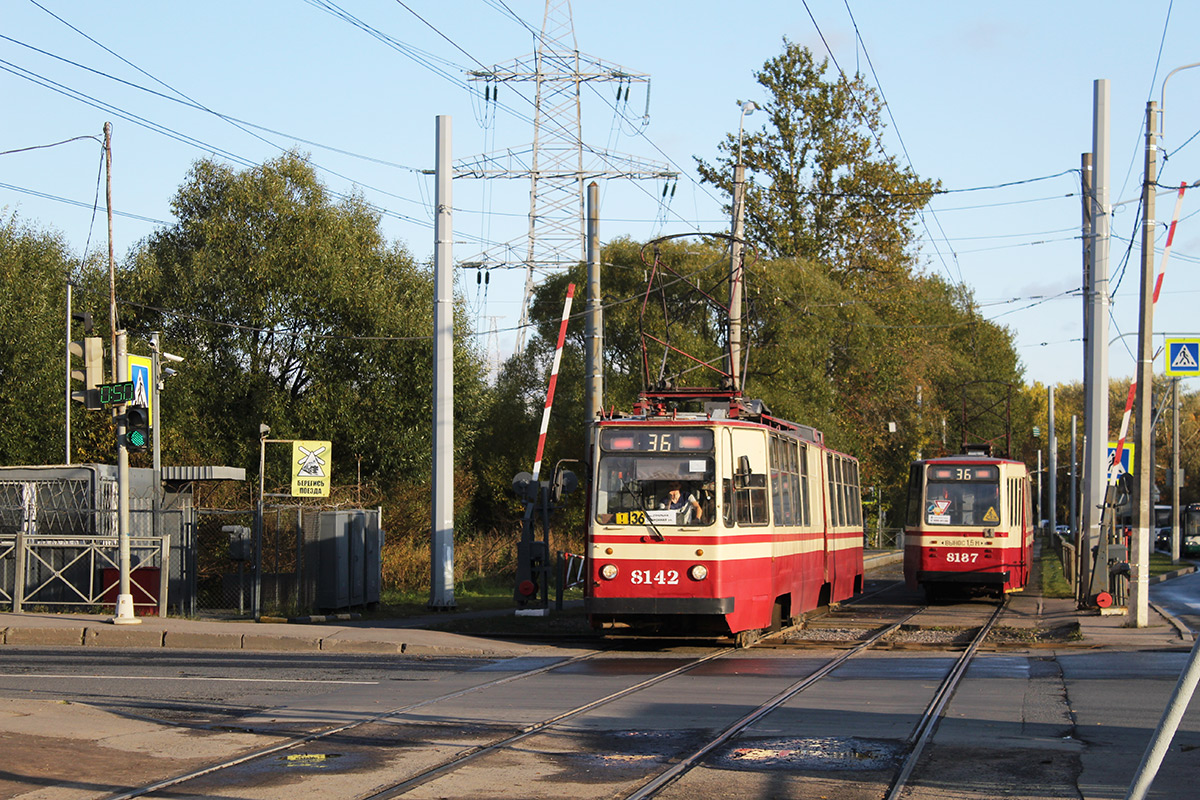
(1054, 584)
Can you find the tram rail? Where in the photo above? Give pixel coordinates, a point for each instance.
(656, 783)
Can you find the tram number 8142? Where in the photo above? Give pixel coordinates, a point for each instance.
(664, 577)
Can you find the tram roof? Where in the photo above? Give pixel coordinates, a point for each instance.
(711, 405)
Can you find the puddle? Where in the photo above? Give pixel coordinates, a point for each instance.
(824, 754)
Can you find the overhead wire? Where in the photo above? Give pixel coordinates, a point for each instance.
(895, 127)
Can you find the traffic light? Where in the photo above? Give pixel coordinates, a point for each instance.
(137, 428)
(91, 350)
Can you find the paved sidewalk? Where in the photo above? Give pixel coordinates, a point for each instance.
(342, 637)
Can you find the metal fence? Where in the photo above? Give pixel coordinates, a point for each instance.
(884, 539)
(59, 547)
(58, 572)
(296, 564)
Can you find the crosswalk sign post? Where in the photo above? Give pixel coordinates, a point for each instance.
(1183, 357)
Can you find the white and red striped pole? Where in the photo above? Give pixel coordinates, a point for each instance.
(1162, 270)
(562, 335)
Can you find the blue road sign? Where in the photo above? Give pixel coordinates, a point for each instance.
(1126, 464)
(1183, 357)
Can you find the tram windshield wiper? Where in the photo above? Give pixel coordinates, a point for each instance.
(635, 488)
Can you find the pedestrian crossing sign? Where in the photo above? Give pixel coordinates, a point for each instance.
(1183, 357)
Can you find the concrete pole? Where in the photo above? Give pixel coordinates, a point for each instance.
(1176, 473)
(1073, 503)
(1139, 557)
(124, 615)
(1095, 459)
(68, 354)
(594, 322)
(441, 590)
(735, 276)
(155, 430)
(1041, 506)
(1052, 465)
(112, 267)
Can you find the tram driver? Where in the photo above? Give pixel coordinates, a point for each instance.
(678, 500)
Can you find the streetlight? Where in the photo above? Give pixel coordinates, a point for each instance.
(735, 254)
(748, 108)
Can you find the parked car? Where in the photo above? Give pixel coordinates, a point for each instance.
(1162, 541)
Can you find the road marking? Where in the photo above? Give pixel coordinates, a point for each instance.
(184, 678)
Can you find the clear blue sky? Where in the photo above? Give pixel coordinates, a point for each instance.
(980, 95)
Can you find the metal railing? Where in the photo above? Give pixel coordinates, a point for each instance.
(82, 571)
(572, 571)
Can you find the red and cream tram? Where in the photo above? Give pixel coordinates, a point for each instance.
(721, 521)
(969, 525)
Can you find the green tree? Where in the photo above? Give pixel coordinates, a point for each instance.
(818, 188)
(290, 309)
(34, 269)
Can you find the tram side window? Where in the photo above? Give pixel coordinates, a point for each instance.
(749, 493)
(805, 501)
(854, 493)
(912, 517)
(785, 482)
(837, 490)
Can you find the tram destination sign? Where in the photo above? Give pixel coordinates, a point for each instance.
(660, 440)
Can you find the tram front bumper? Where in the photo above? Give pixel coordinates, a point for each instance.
(622, 606)
(977, 578)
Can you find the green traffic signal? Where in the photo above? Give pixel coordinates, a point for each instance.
(137, 428)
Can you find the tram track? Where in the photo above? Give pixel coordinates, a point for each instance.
(295, 741)
(657, 783)
(921, 735)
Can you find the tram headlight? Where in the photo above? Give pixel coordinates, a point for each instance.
(698, 572)
(608, 571)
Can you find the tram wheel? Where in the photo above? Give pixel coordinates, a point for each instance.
(744, 639)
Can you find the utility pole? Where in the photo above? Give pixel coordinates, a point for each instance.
(1073, 512)
(1095, 459)
(736, 247)
(594, 321)
(735, 276)
(68, 381)
(1053, 464)
(1139, 557)
(1176, 472)
(124, 614)
(441, 588)
(112, 269)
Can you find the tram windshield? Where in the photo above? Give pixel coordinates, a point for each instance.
(962, 496)
(655, 477)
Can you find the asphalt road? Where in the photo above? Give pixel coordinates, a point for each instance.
(1180, 596)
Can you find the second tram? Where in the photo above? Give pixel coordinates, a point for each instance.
(969, 525)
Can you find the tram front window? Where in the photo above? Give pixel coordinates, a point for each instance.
(961, 503)
(656, 489)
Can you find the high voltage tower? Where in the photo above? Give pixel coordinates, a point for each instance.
(555, 161)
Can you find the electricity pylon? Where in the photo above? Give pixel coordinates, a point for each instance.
(557, 163)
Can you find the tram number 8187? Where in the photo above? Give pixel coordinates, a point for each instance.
(962, 558)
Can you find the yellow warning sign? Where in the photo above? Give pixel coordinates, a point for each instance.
(991, 516)
(310, 468)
